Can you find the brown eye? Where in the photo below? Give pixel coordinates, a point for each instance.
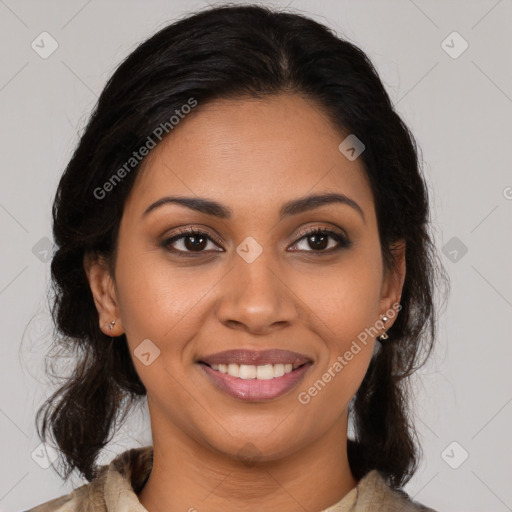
(318, 240)
(188, 241)
(191, 241)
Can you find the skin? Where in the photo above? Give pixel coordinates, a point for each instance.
(211, 451)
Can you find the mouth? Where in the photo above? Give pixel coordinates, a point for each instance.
(259, 372)
(255, 376)
(255, 357)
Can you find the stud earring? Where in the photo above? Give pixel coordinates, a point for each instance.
(111, 325)
(384, 336)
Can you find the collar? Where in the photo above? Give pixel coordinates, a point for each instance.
(116, 487)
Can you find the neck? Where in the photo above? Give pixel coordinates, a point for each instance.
(188, 476)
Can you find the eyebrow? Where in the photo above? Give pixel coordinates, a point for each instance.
(290, 208)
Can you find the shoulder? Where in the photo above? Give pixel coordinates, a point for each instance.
(375, 494)
(74, 501)
(87, 498)
(114, 486)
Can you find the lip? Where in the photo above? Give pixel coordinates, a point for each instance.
(255, 357)
(255, 390)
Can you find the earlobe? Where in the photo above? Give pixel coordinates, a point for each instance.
(103, 292)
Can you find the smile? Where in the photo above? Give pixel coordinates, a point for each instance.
(255, 383)
(262, 372)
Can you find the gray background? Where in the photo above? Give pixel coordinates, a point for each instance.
(460, 112)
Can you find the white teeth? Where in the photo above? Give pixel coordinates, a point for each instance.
(234, 369)
(248, 371)
(278, 370)
(265, 372)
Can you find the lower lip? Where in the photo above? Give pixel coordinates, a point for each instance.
(254, 390)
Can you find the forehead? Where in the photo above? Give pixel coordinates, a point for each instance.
(251, 153)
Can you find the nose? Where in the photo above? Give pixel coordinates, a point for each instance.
(256, 296)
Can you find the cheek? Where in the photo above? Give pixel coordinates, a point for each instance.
(345, 299)
(344, 306)
(159, 301)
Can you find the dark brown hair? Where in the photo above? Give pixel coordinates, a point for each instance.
(234, 52)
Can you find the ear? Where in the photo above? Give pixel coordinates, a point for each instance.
(393, 281)
(104, 294)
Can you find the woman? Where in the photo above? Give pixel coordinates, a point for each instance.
(243, 238)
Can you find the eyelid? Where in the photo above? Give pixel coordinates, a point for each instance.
(182, 232)
(324, 229)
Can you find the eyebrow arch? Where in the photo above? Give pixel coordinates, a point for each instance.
(290, 208)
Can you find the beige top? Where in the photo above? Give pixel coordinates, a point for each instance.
(117, 485)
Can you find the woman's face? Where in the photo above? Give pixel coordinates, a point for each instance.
(252, 280)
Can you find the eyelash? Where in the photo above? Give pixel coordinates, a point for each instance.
(343, 242)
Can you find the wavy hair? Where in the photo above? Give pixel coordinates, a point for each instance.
(233, 52)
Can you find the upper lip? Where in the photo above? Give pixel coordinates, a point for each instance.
(255, 357)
